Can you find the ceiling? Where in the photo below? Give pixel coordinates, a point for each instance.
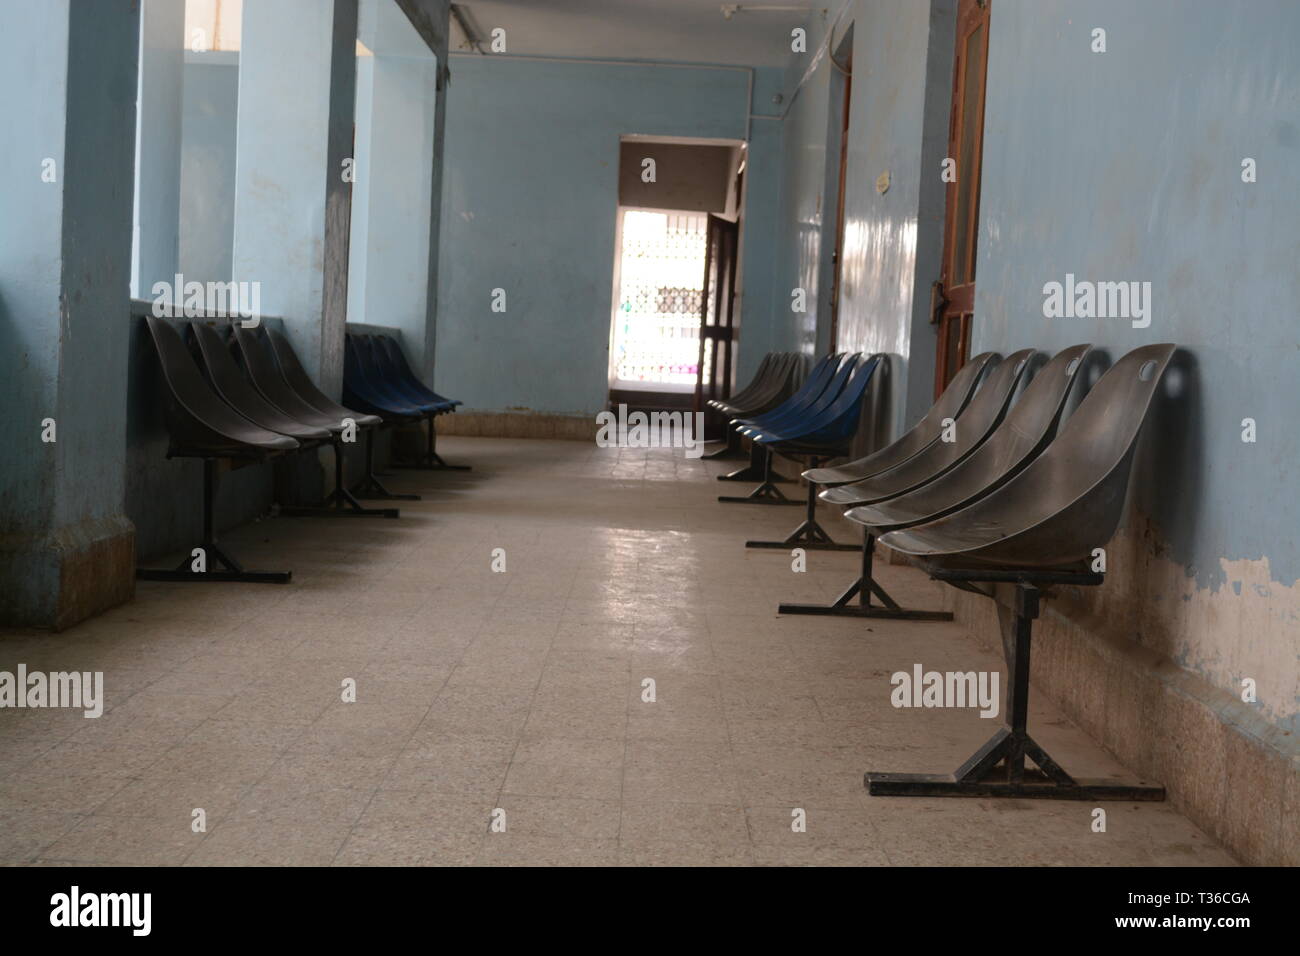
(692, 31)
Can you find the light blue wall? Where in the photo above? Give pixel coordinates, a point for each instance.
(207, 202)
(1126, 165)
(391, 197)
(297, 88)
(529, 206)
(155, 250)
(898, 111)
(805, 233)
(902, 85)
(760, 235)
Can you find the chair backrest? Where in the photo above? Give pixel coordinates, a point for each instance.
(777, 384)
(292, 371)
(265, 373)
(761, 377)
(239, 394)
(840, 419)
(380, 367)
(387, 357)
(390, 350)
(929, 429)
(810, 391)
(798, 369)
(826, 400)
(364, 381)
(818, 378)
(976, 422)
(1070, 498)
(196, 414)
(1023, 433)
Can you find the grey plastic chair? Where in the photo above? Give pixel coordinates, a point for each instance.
(977, 421)
(920, 437)
(1037, 530)
(1022, 434)
(370, 486)
(1069, 500)
(229, 382)
(1027, 428)
(763, 375)
(201, 425)
(265, 372)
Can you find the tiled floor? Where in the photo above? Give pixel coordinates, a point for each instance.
(500, 716)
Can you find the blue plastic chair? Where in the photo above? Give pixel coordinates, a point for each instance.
(360, 392)
(813, 389)
(366, 384)
(390, 354)
(824, 434)
(381, 382)
(822, 386)
(804, 395)
(379, 365)
(831, 422)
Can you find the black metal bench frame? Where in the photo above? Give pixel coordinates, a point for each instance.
(342, 502)
(862, 589)
(229, 568)
(430, 460)
(997, 769)
(809, 534)
(767, 493)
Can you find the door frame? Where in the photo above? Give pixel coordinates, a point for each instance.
(954, 305)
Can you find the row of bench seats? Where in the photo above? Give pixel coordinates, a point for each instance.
(818, 422)
(993, 491)
(241, 395)
(378, 380)
(779, 375)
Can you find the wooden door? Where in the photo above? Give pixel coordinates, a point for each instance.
(717, 311)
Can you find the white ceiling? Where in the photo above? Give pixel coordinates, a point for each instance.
(684, 30)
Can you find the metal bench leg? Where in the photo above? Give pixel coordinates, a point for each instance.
(218, 565)
(340, 503)
(998, 768)
(809, 534)
(431, 460)
(755, 470)
(862, 589)
(730, 447)
(371, 487)
(767, 493)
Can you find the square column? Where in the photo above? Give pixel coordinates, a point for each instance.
(297, 81)
(156, 245)
(67, 550)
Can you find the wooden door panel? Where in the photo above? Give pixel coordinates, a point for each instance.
(717, 311)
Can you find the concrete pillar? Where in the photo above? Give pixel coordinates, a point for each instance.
(442, 29)
(155, 250)
(297, 77)
(68, 68)
(392, 205)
